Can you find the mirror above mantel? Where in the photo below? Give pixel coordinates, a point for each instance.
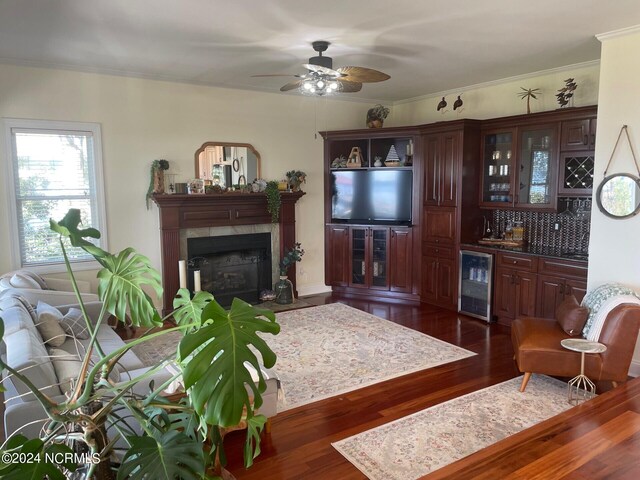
(227, 164)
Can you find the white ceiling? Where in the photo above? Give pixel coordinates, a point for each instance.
(426, 46)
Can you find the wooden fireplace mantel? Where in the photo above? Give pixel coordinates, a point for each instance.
(217, 210)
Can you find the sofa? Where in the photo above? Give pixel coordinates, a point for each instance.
(23, 349)
(34, 288)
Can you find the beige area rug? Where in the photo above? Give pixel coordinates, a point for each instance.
(332, 349)
(158, 349)
(414, 446)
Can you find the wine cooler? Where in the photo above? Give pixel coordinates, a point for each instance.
(476, 278)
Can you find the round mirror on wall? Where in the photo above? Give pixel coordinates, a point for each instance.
(618, 195)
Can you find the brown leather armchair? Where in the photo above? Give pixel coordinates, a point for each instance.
(536, 343)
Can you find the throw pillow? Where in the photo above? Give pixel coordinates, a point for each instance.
(67, 368)
(571, 316)
(74, 325)
(24, 281)
(48, 325)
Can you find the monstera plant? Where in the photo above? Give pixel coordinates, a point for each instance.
(175, 438)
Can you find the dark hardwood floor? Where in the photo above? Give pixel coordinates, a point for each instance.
(300, 443)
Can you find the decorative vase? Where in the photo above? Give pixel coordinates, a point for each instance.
(284, 291)
(158, 181)
(375, 122)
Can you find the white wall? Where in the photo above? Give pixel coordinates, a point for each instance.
(499, 98)
(614, 250)
(143, 120)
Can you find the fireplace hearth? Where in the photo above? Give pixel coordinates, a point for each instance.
(231, 265)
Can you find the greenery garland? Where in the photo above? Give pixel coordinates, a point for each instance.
(155, 165)
(273, 200)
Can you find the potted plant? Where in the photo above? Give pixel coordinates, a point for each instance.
(284, 287)
(210, 358)
(295, 178)
(273, 200)
(156, 182)
(376, 116)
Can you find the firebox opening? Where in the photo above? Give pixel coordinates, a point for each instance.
(231, 266)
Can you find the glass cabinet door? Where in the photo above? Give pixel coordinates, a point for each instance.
(359, 237)
(497, 178)
(537, 172)
(379, 255)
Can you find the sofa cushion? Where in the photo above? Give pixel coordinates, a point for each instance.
(27, 354)
(74, 325)
(16, 318)
(10, 298)
(571, 316)
(49, 325)
(110, 341)
(67, 368)
(20, 280)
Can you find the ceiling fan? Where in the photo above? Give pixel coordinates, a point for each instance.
(321, 79)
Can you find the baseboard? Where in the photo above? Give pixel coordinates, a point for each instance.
(634, 369)
(304, 290)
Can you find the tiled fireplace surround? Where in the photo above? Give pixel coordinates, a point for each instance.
(184, 216)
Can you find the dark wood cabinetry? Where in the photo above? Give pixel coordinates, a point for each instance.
(401, 260)
(450, 179)
(337, 271)
(442, 160)
(515, 286)
(557, 279)
(375, 258)
(527, 161)
(578, 134)
(526, 285)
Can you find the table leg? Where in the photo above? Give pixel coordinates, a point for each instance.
(580, 387)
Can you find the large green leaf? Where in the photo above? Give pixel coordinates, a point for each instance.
(170, 456)
(213, 361)
(68, 227)
(40, 461)
(189, 310)
(252, 443)
(120, 287)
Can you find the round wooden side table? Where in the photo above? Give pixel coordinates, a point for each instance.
(580, 387)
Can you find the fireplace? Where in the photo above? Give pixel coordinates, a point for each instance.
(184, 214)
(231, 265)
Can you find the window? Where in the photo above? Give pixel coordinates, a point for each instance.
(53, 166)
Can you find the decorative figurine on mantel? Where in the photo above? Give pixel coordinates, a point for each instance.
(156, 182)
(529, 94)
(376, 116)
(566, 93)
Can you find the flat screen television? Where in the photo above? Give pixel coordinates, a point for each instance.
(372, 196)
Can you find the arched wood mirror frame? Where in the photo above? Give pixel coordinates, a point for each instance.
(240, 170)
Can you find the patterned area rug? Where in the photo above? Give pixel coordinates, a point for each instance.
(156, 350)
(414, 446)
(332, 349)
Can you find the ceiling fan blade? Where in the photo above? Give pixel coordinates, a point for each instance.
(291, 86)
(322, 70)
(274, 75)
(363, 75)
(346, 86)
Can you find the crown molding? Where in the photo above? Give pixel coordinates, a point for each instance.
(622, 32)
(457, 91)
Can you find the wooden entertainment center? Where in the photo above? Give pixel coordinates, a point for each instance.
(452, 190)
